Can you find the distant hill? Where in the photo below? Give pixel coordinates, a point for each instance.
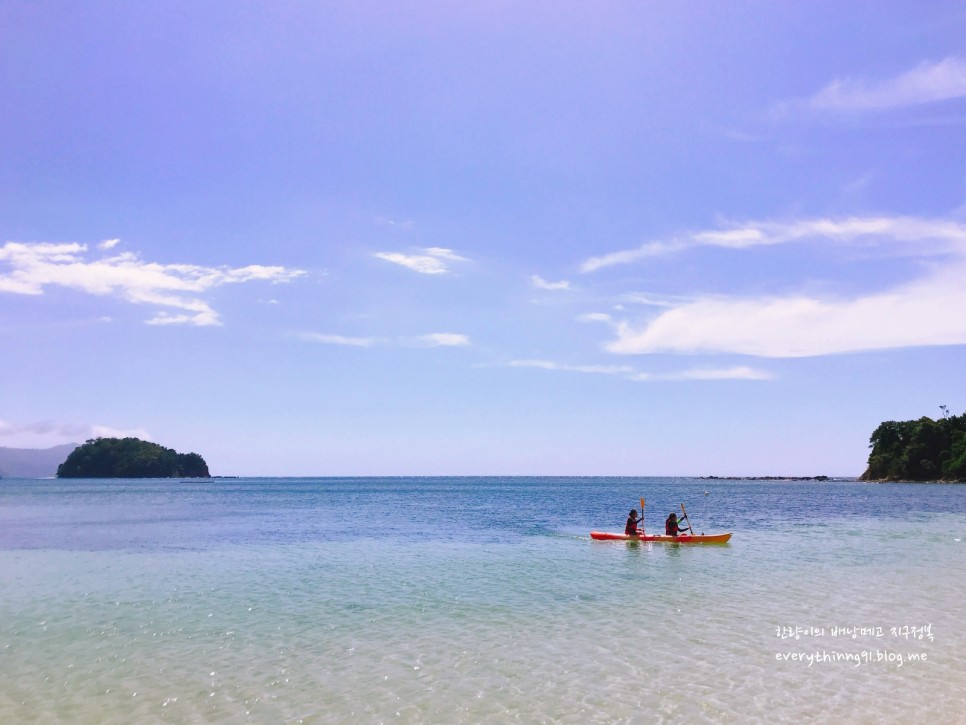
(33, 462)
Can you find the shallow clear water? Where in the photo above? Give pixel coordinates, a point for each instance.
(470, 600)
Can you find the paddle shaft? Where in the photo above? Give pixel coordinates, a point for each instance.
(642, 513)
(685, 512)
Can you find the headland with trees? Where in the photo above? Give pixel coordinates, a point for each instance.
(919, 450)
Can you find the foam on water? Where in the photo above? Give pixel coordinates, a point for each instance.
(175, 613)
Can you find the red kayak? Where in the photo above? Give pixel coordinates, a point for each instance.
(682, 539)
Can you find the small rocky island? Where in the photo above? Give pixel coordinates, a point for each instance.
(918, 450)
(130, 458)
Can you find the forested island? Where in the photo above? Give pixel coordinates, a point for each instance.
(130, 458)
(918, 450)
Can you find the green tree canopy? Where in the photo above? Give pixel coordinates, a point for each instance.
(918, 450)
(130, 458)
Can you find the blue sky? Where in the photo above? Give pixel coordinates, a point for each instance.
(423, 238)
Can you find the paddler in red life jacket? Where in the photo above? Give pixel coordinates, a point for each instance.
(671, 527)
(630, 528)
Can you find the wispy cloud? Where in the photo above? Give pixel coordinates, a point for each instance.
(651, 300)
(106, 431)
(591, 369)
(444, 339)
(596, 317)
(540, 283)
(433, 339)
(710, 374)
(34, 266)
(761, 233)
(740, 372)
(403, 224)
(629, 256)
(74, 432)
(340, 339)
(431, 260)
(928, 82)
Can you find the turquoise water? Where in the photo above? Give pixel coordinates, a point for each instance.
(464, 600)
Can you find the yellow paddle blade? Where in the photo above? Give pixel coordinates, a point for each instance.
(642, 503)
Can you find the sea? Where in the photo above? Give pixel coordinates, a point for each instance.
(479, 600)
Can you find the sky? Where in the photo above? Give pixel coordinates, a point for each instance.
(493, 238)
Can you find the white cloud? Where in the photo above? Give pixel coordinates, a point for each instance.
(761, 233)
(104, 431)
(432, 260)
(926, 311)
(444, 339)
(926, 83)
(929, 311)
(109, 244)
(32, 267)
(540, 283)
